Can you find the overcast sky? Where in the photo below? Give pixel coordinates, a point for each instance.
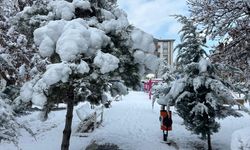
(154, 16)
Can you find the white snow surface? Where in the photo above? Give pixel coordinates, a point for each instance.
(26, 91)
(65, 10)
(111, 24)
(106, 62)
(84, 111)
(152, 62)
(149, 60)
(56, 72)
(83, 4)
(241, 139)
(131, 124)
(83, 67)
(143, 41)
(177, 88)
(198, 82)
(139, 57)
(203, 65)
(69, 38)
(22, 71)
(33, 91)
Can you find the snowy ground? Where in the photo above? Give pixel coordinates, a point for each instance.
(131, 124)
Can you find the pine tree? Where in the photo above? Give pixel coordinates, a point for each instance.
(199, 95)
(166, 72)
(85, 45)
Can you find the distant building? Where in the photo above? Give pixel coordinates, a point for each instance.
(164, 49)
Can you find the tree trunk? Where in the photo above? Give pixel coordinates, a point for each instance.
(68, 121)
(209, 142)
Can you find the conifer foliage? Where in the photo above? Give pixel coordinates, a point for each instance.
(199, 95)
(85, 44)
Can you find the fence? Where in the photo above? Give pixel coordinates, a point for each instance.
(90, 118)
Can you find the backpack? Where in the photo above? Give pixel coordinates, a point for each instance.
(167, 121)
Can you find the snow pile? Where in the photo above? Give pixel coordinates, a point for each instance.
(34, 89)
(22, 71)
(65, 10)
(107, 15)
(241, 139)
(145, 47)
(139, 57)
(118, 88)
(142, 41)
(83, 67)
(222, 92)
(198, 82)
(98, 39)
(151, 62)
(112, 24)
(82, 4)
(26, 91)
(177, 87)
(46, 37)
(69, 38)
(72, 41)
(106, 62)
(55, 73)
(203, 65)
(84, 111)
(199, 109)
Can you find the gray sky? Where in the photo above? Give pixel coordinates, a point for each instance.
(153, 16)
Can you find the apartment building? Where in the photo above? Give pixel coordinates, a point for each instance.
(164, 49)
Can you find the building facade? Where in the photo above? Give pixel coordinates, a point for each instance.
(164, 49)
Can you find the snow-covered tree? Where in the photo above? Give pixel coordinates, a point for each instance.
(17, 56)
(227, 21)
(166, 72)
(190, 49)
(86, 43)
(8, 125)
(199, 95)
(15, 50)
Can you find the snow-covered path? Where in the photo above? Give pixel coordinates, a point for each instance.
(131, 124)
